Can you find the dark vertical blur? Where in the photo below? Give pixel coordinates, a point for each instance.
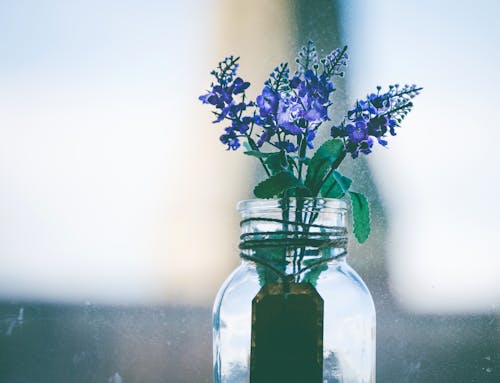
(318, 20)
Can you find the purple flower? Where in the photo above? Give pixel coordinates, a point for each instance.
(264, 137)
(230, 139)
(288, 146)
(314, 96)
(317, 112)
(239, 86)
(357, 132)
(294, 82)
(267, 102)
(286, 117)
(219, 96)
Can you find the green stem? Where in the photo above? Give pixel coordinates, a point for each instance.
(254, 146)
(226, 68)
(280, 76)
(404, 106)
(302, 151)
(285, 206)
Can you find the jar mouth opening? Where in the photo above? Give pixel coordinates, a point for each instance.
(305, 204)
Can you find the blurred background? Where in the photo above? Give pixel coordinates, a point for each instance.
(117, 201)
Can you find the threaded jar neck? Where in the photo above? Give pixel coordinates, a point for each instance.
(293, 222)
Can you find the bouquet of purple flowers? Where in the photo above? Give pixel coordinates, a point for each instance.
(279, 127)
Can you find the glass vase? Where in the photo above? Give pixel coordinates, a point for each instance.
(294, 310)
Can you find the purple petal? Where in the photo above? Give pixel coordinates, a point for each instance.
(291, 128)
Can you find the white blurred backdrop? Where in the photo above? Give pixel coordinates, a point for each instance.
(113, 184)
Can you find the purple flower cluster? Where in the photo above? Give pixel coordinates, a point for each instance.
(336, 62)
(222, 97)
(297, 110)
(373, 117)
(290, 109)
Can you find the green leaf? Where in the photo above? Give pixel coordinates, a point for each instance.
(273, 162)
(256, 153)
(301, 192)
(313, 274)
(336, 185)
(276, 184)
(360, 216)
(328, 156)
(276, 163)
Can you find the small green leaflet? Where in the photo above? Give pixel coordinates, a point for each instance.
(328, 156)
(360, 216)
(276, 184)
(336, 186)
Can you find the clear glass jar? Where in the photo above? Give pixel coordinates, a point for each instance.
(294, 310)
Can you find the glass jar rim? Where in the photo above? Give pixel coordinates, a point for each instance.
(308, 203)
